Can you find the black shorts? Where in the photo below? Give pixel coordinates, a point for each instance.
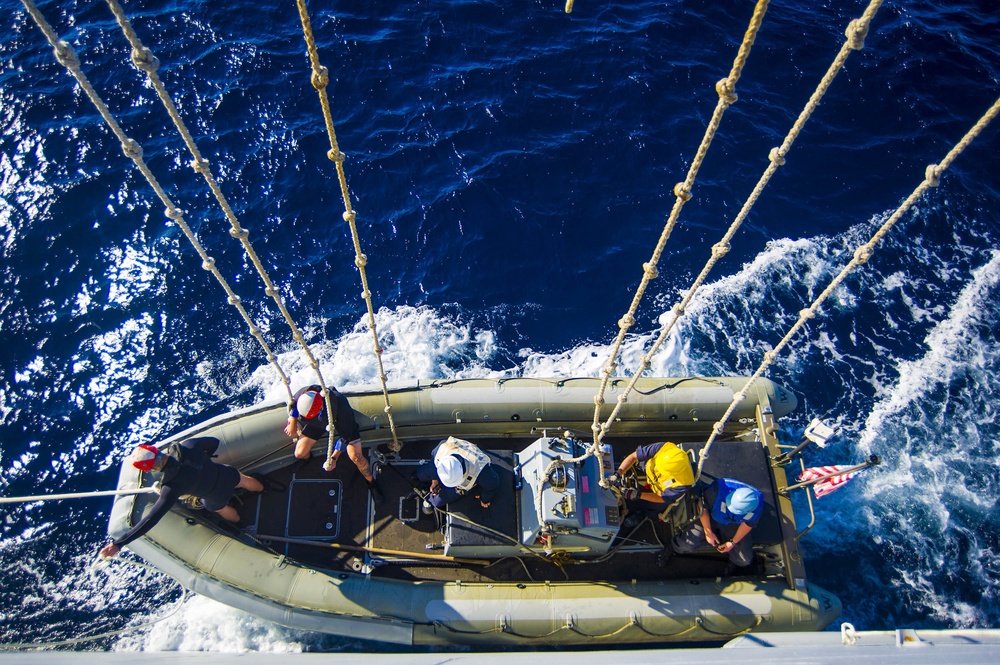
(217, 499)
(345, 423)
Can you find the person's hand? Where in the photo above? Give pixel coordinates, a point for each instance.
(712, 539)
(631, 495)
(614, 480)
(484, 504)
(435, 487)
(330, 464)
(725, 547)
(291, 427)
(110, 550)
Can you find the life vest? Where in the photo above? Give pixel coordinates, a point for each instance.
(475, 459)
(669, 467)
(720, 511)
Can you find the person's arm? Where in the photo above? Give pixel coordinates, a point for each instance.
(706, 524)
(292, 423)
(168, 496)
(489, 485)
(292, 427)
(741, 531)
(338, 450)
(627, 463)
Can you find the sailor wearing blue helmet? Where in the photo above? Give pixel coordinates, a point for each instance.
(730, 510)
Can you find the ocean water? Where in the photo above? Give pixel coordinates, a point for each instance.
(512, 167)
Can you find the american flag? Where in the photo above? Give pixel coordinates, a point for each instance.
(824, 487)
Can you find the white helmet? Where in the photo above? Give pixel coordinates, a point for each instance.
(450, 470)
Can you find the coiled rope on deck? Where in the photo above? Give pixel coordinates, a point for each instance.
(932, 177)
(320, 81)
(727, 96)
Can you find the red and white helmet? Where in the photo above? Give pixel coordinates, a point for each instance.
(309, 404)
(144, 457)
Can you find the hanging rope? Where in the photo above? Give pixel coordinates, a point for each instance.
(320, 80)
(67, 57)
(856, 32)
(862, 254)
(682, 190)
(145, 61)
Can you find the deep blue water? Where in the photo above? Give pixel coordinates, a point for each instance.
(512, 168)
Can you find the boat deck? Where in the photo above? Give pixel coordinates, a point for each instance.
(326, 520)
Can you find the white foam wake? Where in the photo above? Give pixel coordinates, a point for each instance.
(949, 346)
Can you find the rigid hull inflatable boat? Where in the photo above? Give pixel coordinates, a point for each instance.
(549, 562)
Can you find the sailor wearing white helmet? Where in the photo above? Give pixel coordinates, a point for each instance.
(456, 468)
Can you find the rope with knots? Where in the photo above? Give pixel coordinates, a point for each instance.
(932, 177)
(682, 190)
(856, 32)
(320, 80)
(67, 57)
(144, 60)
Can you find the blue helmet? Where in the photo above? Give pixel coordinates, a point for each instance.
(743, 501)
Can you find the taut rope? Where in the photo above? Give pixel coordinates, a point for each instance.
(864, 252)
(855, 33)
(77, 495)
(320, 80)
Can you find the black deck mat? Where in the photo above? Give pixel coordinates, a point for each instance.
(416, 530)
(297, 505)
(500, 517)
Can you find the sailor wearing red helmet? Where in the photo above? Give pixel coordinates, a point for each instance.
(187, 469)
(308, 421)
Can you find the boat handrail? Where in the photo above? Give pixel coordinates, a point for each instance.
(812, 509)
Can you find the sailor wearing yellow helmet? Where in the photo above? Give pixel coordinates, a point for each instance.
(668, 477)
